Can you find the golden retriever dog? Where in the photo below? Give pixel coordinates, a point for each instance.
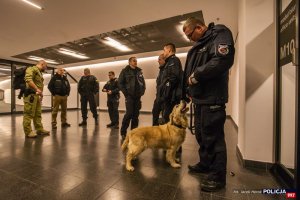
(169, 136)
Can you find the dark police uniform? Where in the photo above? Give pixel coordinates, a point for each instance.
(132, 84)
(59, 87)
(113, 100)
(157, 106)
(169, 90)
(88, 86)
(208, 62)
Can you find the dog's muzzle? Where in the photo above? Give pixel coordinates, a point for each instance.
(184, 108)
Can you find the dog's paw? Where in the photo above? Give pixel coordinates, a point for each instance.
(130, 168)
(175, 165)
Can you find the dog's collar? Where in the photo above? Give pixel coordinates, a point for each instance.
(178, 126)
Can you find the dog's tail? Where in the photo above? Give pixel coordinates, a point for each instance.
(125, 143)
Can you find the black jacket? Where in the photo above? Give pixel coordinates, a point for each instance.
(113, 86)
(128, 79)
(59, 85)
(159, 80)
(169, 89)
(88, 85)
(210, 60)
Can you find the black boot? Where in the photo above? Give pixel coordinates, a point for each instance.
(212, 185)
(198, 168)
(83, 123)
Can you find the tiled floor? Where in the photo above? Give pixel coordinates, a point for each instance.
(87, 163)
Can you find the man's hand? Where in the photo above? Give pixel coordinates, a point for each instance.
(39, 92)
(104, 90)
(41, 98)
(109, 92)
(192, 80)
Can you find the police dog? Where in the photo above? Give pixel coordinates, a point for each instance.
(169, 136)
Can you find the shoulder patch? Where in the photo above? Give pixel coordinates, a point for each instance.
(223, 49)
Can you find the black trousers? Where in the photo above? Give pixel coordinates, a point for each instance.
(167, 109)
(157, 108)
(85, 99)
(133, 106)
(209, 131)
(113, 106)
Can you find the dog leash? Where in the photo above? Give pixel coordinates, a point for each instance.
(192, 125)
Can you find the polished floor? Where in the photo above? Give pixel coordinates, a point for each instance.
(87, 163)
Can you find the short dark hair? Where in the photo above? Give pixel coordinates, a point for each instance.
(171, 46)
(111, 72)
(192, 22)
(131, 58)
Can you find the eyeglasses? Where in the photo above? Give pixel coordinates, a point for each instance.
(191, 33)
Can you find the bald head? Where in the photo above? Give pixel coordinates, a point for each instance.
(60, 71)
(42, 65)
(87, 71)
(161, 59)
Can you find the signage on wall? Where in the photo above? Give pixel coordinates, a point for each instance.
(287, 35)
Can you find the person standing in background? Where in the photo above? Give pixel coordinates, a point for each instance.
(171, 81)
(59, 87)
(88, 86)
(132, 84)
(157, 107)
(113, 96)
(33, 97)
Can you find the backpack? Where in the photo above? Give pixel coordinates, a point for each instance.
(19, 75)
(19, 82)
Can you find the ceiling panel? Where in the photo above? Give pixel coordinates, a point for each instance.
(140, 38)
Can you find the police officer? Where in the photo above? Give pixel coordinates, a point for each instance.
(132, 84)
(206, 82)
(32, 100)
(170, 88)
(113, 96)
(59, 87)
(157, 107)
(88, 87)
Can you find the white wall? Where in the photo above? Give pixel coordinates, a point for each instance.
(72, 99)
(146, 61)
(241, 62)
(100, 68)
(147, 99)
(288, 117)
(256, 79)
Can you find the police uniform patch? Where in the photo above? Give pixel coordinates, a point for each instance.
(223, 49)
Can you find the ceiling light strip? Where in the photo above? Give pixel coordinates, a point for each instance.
(72, 53)
(33, 4)
(120, 62)
(113, 43)
(36, 58)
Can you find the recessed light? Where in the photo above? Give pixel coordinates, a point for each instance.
(113, 43)
(33, 4)
(72, 53)
(37, 58)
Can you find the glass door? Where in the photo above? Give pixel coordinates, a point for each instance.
(5, 87)
(287, 92)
